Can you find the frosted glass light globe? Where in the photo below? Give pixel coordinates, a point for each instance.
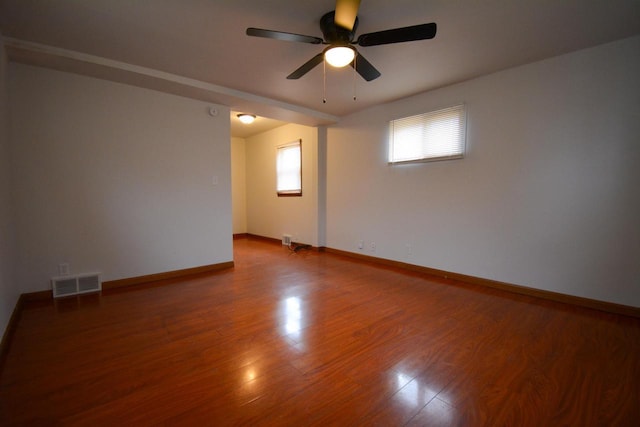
(339, 56)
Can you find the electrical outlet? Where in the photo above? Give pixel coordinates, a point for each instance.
(361, 244)
(63, 269)
(408, 249)
(372, 246)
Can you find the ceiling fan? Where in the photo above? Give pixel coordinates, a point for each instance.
(338, 28)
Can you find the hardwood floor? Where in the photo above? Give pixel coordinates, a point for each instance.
(318, 339)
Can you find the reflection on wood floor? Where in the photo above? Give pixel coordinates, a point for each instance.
(318, 339)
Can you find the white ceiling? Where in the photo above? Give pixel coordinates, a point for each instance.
(198, 48)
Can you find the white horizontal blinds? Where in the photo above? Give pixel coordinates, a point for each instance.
(435, 135)
(288, 167)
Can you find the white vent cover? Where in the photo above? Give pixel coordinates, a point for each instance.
(286, 239)
(73, 285)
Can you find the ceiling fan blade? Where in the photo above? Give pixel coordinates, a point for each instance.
(346, 13)
(398, 35)
(364, 68)
(280, 35)
(306, 67)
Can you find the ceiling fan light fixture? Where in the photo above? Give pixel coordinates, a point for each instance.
(339, 56)
(247, 119)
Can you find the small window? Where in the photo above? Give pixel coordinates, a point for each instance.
(437, 135)
(289, 169)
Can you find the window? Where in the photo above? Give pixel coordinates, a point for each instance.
(289, 169)
(437, 135)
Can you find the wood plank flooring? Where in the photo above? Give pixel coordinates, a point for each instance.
(318, 339)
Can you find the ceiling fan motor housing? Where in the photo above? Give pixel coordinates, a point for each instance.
(335, 34)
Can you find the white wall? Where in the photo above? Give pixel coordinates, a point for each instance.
(267, 214)
(239, 185)
(9, 289)
(115, 179)
(548, 195)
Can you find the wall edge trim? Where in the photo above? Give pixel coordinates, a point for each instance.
(10, 330)
(574, 300)
(138, 280)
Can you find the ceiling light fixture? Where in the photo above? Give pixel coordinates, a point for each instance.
(247, 119)
(339, 56)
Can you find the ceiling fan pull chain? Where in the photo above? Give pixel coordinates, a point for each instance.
(355, 64)
(324, 81)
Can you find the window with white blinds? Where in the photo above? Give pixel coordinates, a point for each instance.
(437, 135)
(289, 169)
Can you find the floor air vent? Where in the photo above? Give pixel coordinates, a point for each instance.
(74, 285)
(286, 239)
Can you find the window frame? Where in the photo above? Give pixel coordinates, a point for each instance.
(427, 119)
(295, 192)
